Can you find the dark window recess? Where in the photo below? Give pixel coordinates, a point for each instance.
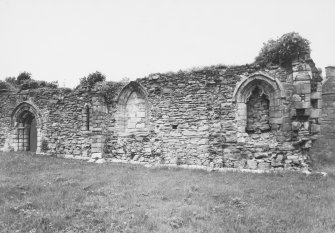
(314, 86)
(301, 117)
(174, 126)
(300, 112)
(314, 103)
(87, 118)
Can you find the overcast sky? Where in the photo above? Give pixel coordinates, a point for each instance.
(65, 40)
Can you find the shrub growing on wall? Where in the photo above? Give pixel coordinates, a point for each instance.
(24, 82)
(11, 80)
(92, 79)
(110, 90)
(24, 76)
(4, 85)
(34, 84)
(284, 50)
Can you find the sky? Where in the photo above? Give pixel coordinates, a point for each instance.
(64, 40)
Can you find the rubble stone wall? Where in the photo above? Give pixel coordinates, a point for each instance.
(258, 112)
(323, 149)
(61, 120)
(237, 117)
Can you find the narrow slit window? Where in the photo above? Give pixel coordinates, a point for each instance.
(87, 118)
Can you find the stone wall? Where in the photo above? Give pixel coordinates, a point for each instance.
(323, 150)
(237, 117)
(258, 112)
(61, 120)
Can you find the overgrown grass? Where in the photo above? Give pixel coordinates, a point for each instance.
(44, 194)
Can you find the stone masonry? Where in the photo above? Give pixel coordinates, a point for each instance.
(219, 117)
(324, 147)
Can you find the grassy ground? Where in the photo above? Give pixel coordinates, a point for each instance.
(44, 194)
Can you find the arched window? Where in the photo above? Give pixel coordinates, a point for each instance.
(258, 101)
(132, 115)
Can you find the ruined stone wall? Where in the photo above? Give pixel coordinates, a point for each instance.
(239, 117)
(193, 119)
(62, 120)
(323, 150)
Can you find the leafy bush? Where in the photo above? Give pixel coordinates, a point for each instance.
(110, 90)
(24, 76)
(25, 82)
(34, 84)
(284, 50)
(4, 85)
(92, 79)
(11, 80)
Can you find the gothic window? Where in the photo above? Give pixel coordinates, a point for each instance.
(258, 101)
(132, 114)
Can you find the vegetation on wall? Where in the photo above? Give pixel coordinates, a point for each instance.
(110, 90)
(4, 85)
(34, 84)
(24, 82)
(23, 77)
(92, 79)
(284, 50)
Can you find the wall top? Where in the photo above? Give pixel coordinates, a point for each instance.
(330, 71)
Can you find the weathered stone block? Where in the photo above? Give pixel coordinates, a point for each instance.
(68, 156)
(315, 113)
(302, 76)
(96, 155)
(260, 155)
(296, 125)
(251, 164)
(316, 95)
(100, 161)
(302, 105)
(315, 128)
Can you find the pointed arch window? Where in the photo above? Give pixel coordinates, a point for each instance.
(258, 101)
(132, 116)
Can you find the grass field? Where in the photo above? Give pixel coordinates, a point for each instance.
(45, 194)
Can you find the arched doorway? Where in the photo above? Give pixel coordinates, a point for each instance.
(26, 123)
(27, 132)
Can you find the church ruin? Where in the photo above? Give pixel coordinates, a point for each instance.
(236, 117)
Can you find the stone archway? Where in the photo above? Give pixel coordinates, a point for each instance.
(132, 110)
(258, 98)
(26, 122)
(27, 132)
